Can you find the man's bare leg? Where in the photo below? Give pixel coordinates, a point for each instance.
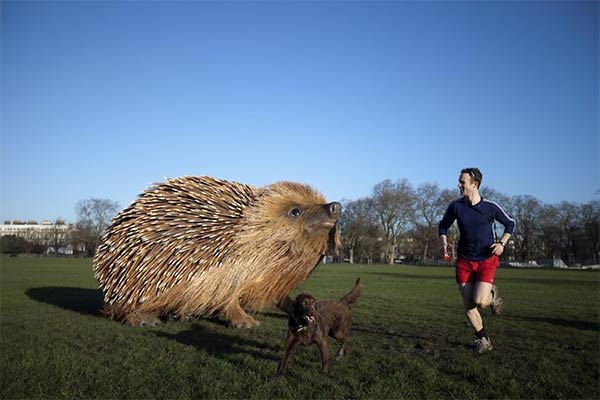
(466, 290)
(482, 294)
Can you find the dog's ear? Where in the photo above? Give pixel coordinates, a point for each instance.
(286, 305)
(297, 302)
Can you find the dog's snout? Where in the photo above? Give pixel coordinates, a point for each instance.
(334, 209)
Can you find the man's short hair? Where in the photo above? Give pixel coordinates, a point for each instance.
(474, 173)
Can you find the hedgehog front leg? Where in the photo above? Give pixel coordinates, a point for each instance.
(237, 317)
(141, 319)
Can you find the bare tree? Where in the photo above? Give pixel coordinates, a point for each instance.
(550, 231)
(357, 222)
(560, 230)
(58, 235)
(370, 247)
(527, 211)
(590, 226)
(447, 196)
(93, 217)
(430, 204)
(571, 232)
(393, 205)
(569, 218)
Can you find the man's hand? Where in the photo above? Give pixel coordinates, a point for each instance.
(444, 251)
(497, 249)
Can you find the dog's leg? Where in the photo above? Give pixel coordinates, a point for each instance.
(341, 337)
(343, 350)
(291, 342)
(324, 348)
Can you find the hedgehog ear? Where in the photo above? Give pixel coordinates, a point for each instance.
(334, 243)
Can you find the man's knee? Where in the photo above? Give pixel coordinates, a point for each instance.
(482, 302)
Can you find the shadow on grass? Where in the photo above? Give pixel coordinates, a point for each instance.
(401, 276)
(84, 301)
(567, 283)
(221, 345)
(276, 315)
(581, 325)
(402, 333)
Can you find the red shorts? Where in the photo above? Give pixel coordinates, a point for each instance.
(476, 271)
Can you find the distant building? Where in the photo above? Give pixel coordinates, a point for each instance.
(45, 233)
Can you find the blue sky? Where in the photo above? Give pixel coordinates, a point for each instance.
(102, 99)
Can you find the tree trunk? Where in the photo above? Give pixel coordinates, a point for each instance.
(391, 252)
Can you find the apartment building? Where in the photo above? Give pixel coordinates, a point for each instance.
(44, 233)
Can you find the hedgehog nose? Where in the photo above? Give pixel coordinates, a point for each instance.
(334, 209)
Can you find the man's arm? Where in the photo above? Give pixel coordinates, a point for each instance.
(445, 224)
(501, 216)
(444, 246)
(509, 226)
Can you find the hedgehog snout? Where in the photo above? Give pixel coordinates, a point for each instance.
(322, 219)
(334, 209)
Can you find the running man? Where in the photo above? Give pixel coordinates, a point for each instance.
(478, 252)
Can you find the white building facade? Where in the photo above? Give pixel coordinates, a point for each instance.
(45, 233)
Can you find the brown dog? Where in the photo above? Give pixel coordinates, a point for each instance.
(311, 321)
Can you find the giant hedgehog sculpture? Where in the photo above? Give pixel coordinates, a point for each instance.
(197, 246)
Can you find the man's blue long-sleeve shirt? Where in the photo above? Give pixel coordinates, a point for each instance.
(475, 226)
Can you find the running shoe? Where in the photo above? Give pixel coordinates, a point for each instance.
(482, 345)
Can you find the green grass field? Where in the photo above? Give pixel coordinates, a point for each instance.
(410, 339)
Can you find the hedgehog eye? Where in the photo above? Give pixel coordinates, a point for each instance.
(295, 212)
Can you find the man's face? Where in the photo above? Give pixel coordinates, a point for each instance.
(466, 185)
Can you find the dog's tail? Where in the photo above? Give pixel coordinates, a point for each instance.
(351, 298)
